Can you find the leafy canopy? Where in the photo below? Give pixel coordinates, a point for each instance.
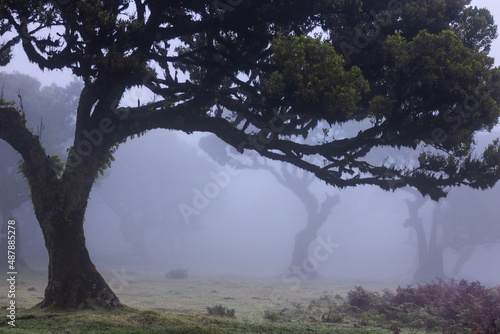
(311, 79)
(263, 75)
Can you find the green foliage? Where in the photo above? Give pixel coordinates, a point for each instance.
(437, 72)
(310, 75)
(410, 67)
(5, 103)
(359, 299)
(57, 165)
(108, 159)
(412, 73)
(21, 169)
(220, 310)
(452, 307)
(272, 315)
(332, 317)
(178, 273)
(439, 64)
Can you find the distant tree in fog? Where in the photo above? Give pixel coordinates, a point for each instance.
(462, 222)
(296, 180)
(155, 210)
(251, 73)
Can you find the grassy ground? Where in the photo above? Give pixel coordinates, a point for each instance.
(160, 305)
(135, 321)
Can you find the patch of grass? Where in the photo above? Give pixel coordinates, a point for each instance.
(220, 311)
(128, 321)
(114, 322)
(332, 317)
(443, 307)
(178, 273)
(271, 315)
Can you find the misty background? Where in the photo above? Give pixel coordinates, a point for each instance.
(166, 204)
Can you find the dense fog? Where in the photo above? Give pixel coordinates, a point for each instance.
(189, 212)
(166, 203)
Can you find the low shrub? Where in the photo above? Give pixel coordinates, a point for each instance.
(448, 306)
(221, 311)
(331, 317)
(271, 315)
(178, 273)
(359, 299)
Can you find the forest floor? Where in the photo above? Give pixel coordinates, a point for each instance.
(156, 304)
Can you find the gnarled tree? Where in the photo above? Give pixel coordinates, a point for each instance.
(255, 77)
(299, 183)
(462, 222)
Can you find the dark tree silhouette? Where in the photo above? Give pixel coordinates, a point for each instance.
(317, 213)
(155, 210)
(430, 252)
(294, 179)
(251, 74)
(462, 222)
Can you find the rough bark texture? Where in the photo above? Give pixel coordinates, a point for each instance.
(73, 280)
(60, 202)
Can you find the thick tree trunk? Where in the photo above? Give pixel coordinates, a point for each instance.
(60, 201)
(431, 265)
(300, 255)
(317, 215)
(417, 224)
(430, 254)
(74, 281)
